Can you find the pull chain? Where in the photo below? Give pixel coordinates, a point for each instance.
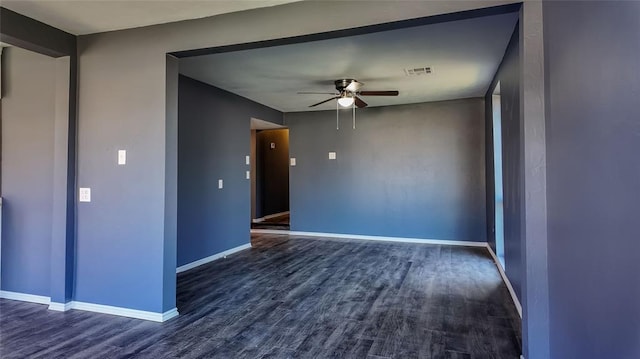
(354, 116)
(337, 116)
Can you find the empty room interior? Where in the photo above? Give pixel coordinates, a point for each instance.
(319, 179)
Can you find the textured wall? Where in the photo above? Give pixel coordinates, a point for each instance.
(213, 139)
(593, 141)
(509, 77)
(405, 171)
(272, 172)
(28, 117)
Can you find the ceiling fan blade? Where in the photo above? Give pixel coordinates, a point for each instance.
(327, 100)
(354, 86)
(317, 93)
(379, 93)
(359, 102)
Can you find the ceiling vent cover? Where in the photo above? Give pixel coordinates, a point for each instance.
(418, 71)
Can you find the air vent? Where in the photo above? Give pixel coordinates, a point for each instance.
(418, 71)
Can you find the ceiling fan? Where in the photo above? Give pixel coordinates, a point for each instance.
(349, 94)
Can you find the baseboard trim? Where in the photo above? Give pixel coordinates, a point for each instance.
(60, 307)
(90, 307)
(170, 314)
(373, 238)
(23, 297)
(514, 297)
(212, 258)
(262, 219)
(111, 310)
(125, 312)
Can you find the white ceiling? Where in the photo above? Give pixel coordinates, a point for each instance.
(81, 17)
(464, 56)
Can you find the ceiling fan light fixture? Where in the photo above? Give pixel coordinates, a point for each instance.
(346, 101)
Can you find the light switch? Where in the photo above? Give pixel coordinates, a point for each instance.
(247, 160)
(332, 155)
(273, 145)
(292, 161)
(122, 157)
(85, 195)
(248, 174)
(219, 184)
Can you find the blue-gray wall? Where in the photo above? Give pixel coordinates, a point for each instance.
(413, 171)
(170, 240)
(123, 105)
(213, 139)
(592, 58)
(272, 172)
(28, 119)
(26, 33)
(121, 257)
(509, 77)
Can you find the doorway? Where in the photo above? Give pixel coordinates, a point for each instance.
(496, 111)
(269, 176)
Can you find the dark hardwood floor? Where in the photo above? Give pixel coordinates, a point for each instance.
(299, 298)
(280, 223)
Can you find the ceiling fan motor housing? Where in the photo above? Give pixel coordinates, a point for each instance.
(342, 84)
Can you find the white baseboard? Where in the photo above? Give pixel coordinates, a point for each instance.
(373, 238)
(125, 312)
(90, 307)
(212, 258)
(60, 307)
(270, 231)
(262, 219)
(506, 281)
(39, 299)
(170, 314)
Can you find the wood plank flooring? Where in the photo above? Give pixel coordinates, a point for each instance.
(281, 222)
(299, 298)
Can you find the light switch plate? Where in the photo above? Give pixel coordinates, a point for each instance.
(248, 174)
(247, 160)
(85, 195)
(220, 184)
(292, 161)
(273, 145)
(332, 155)
(122, 157)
